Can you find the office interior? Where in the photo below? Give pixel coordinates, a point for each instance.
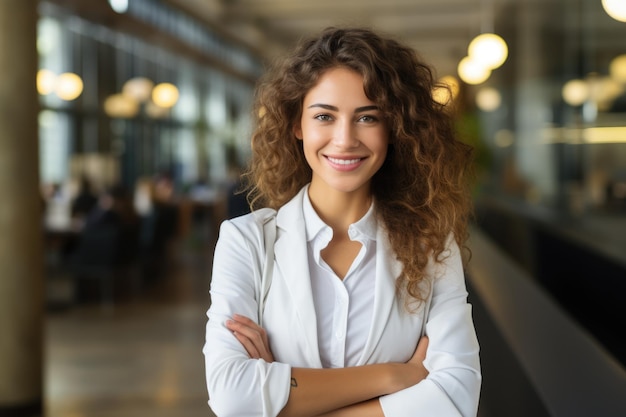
(142, 107)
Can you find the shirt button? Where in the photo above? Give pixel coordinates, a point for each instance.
(339, 334)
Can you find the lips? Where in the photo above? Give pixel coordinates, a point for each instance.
(340, 161)
(344, 164)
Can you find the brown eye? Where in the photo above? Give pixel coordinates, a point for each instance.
(323, 117)
(367, 119)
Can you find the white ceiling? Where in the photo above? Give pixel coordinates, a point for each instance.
(439, 30)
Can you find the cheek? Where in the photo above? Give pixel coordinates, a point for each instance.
(313, 139)
(310, 151)
(380, 143)
(382, 158)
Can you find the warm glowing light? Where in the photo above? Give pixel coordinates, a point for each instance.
(591, 135)
(139, 88)
(604, 90)
(121, 106)
(617, 68)
(120, 6)
(488, 99)
(69, 86)
(447, 90)
(616, 9)
(165, 95)
(615, 134)
(472, 72)
(46, 81)
(504, 138)
(575, 92)
(489, 49)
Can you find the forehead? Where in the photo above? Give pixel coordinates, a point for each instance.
(338, 84)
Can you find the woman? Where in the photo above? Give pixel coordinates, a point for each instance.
(367, 184)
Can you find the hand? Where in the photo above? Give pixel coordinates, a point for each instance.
(252, 337)
(417, 360)
(412, 371)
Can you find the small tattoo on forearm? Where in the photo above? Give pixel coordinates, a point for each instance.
(294, 383)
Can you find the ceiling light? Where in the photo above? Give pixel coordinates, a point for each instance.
(120, 6)
(489, 49)
(617, 68)
(139, 88)
(575, 92)
(46, 81)
(488, 99)
(472, 72)
(68, 86)
(165, 95)
(616, 9)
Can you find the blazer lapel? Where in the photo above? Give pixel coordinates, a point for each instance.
(291, 256)
(387, 270)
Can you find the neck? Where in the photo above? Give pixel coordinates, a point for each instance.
(340, 210)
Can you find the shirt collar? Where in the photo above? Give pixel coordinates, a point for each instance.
(312, 222)
(366, 226)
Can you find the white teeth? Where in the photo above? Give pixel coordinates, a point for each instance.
(344, 161)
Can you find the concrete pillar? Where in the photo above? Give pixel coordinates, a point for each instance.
(21, 260)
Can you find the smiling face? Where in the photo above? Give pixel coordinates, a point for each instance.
(344, 135)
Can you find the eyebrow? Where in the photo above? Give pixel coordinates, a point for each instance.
(334, 108)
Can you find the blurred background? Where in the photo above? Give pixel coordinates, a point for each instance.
(124, 126)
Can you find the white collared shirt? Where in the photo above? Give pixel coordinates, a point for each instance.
(344, 308)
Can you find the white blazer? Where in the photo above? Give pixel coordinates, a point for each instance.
(239, 386)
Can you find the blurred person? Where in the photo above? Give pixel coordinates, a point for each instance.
(115, 209)
(159, 226)
(51, 194)
(164, 209)
(142, 196)
(366, 313)
(74, 203)
(107, 243)
(205, 198)
(84, 201)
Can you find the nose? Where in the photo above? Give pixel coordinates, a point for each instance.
(344, 135)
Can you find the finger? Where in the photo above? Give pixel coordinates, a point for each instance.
(266, 340)
(253, 332)
(256, 340)
(247, 345)
(245, 320)
(251, 324)
(253, 350)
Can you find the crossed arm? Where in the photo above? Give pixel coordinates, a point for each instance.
(338, 392)
(237, 384)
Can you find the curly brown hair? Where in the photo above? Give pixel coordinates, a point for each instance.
(421, 191)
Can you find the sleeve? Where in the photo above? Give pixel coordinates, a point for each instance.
(452, 387)
(238, 385)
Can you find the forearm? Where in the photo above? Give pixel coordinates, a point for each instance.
(317, 391)
(369, 408)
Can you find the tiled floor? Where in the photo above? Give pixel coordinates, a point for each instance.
(140, 357)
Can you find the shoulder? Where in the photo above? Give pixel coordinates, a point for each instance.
(257, 218)
(249, 226)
